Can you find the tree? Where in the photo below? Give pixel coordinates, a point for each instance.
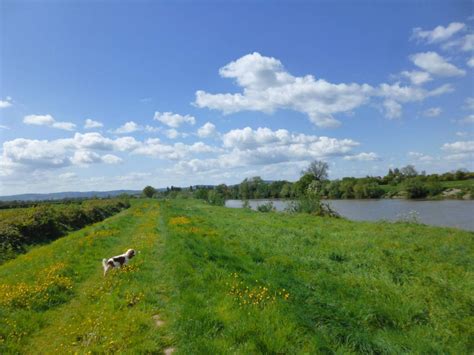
(149, 191)
(319, 169)
(409, 171)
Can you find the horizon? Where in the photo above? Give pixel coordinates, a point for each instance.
(102, 96)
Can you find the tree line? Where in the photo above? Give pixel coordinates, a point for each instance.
(398, 182)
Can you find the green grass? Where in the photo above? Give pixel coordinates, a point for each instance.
(459, 184)
(239, 281)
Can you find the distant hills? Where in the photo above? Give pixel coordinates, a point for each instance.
(69, 194)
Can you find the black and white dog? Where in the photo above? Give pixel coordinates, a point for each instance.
(117, 261)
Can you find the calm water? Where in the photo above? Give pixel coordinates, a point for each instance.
(451, 213)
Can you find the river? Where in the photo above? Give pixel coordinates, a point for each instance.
(446, 213)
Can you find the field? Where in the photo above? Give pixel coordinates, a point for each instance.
(215, 280)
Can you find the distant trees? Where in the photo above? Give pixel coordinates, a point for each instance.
(149, 191)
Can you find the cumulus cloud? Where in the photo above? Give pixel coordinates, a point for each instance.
(127, 127)
(6, 103)
(417, 77)
(469, 103)
(173, 120)
(465, 44)
(459, 147)
(468, 119)
(92, 124)
(432, 112)
(263, 146)
(435, 64)
(439, 33)
(267, 86)
(470, 62)
(207, 130)
(48, 120)
(173, 134)
(420, 157)
(88, 148)
(395, 94)
(363, 157)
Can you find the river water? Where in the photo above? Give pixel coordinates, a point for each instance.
(447, 213)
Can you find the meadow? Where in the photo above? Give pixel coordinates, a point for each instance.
(215, 280)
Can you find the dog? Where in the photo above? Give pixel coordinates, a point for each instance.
(117, 261)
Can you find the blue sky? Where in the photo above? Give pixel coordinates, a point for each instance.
(101, 95)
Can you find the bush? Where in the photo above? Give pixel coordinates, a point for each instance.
(311, 206)
(215, 198)
(414, 188)
(266, 207)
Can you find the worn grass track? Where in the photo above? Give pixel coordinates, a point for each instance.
(211, 280)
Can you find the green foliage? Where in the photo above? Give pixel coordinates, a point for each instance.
(266, 207)
(215, 198)
(149, 191)
(21, 227)
(414, 188)
(311, 205)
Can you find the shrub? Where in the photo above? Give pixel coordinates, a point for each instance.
(311, 206)
(414, 188)
(266, 207)
(215, 198)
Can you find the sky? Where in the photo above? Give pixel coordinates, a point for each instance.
(105, 95)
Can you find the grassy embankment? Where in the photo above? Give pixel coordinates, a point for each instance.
(228, 280)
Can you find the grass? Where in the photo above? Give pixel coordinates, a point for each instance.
(239, 281)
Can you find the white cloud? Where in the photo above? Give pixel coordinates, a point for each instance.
(439, 33)
(470, 62)
(394, 94)
(127, 127)
(268, 87)
(92, 124)
(435, 64)
(48, 120)
(459, 147)
(4, 127)
(465, 44)
(85, 149)
(432, 112)
(6, 103)
(417, 77)
(155, 148)
(468, 119)
(363, 157)
(207, 130)
(67, 176)
(173, 120)
(173, 133)
(469, 103)
(392, 108)
(263, 146)
(420, 157)
(111, 159)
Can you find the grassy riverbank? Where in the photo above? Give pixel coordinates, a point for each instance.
(232, 280)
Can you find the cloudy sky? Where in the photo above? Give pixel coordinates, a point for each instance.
(102, 95)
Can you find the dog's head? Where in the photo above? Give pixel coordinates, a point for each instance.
(131, 253)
